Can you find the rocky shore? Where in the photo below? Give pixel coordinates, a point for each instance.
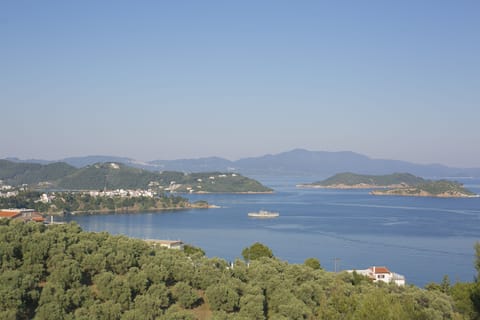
(414, 192)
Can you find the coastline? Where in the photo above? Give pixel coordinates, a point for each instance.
(394, 190)
(131, 210)
(422, 194)
(345, 186)
(241, 192)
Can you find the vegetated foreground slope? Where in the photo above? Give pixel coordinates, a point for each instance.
(61, 272)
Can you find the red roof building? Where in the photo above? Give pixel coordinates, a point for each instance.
(9, 214)
(21, 214)
(381, 274)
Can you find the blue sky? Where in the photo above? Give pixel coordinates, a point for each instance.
(181, 79)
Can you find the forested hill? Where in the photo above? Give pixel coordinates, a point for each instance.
(353, 180)
(119, 176)
(16, 174)
(116, 176)
(60, 272)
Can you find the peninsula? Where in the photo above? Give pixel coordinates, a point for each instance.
(400, 184)
(113, 176)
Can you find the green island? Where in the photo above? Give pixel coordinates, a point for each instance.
(54, 203)
(438, 188)
(402, 184)
(60, 272)
(111, 176)
(348, 180)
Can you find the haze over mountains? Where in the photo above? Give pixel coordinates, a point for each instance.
(296, 162)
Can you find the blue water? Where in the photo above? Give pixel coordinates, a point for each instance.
(421, 238)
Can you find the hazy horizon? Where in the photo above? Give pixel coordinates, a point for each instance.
(219, 156)
(178, 80)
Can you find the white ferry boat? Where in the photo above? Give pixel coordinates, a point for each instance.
(263, 214)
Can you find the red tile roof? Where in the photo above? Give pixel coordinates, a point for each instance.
(380, 269)
(9, 214)
(18, 214)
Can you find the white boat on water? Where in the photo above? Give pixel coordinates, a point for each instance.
(263, 214)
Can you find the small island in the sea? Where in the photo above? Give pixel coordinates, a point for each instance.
(399, 184)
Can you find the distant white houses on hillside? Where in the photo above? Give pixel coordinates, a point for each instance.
(381, 274)
(114, 165)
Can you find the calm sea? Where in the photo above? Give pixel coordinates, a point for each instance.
(421, 238)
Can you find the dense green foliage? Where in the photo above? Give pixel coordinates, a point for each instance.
(118, 176)
(256, 251)
(475, 289)
(313, 263)
(60, 272)
(74, 202)
(351, 179)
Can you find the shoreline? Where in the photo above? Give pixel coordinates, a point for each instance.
(423, 194)
(131, 210)
(344, 186)
(393, 190)
(241, 192)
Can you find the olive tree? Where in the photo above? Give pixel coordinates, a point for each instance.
(256, 251)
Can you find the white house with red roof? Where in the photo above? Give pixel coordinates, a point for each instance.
(381, 274)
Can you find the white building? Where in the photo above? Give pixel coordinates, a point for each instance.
(381, 274)
(170, 244)
(44, 198)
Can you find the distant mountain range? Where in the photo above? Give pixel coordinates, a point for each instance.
(298, 162)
